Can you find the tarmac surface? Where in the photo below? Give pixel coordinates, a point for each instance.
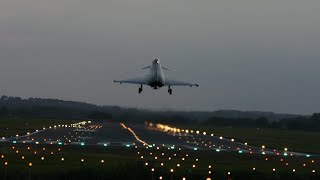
(112, 134)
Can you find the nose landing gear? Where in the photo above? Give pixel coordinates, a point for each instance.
(170, 90)
(140, 89)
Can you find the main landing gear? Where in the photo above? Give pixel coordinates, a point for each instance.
(170, 90)
(140, 89)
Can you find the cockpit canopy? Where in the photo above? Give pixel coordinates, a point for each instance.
(156, 61)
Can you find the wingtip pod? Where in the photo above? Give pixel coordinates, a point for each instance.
(197, 85)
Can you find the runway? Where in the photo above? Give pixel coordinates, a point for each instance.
(113, 134)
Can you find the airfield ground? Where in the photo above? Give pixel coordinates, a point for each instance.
(296, 140)
(11, 125)
(111, 150)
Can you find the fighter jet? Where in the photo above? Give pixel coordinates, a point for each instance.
(156, 79)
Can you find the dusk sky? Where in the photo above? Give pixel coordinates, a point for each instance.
(244, 54)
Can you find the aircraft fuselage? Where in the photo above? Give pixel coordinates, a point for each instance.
(156, 77)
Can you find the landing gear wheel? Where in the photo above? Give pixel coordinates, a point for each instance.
(140, 89)
(170, 91)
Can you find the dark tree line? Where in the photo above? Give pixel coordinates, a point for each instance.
(58, 109)
(298, 123)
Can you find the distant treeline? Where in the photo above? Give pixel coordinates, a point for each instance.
(58, 109)
(299, 123)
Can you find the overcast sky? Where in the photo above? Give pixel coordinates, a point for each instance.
(245, 54)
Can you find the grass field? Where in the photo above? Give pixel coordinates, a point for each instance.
(10, 125)
(272, 138)
(18, 158)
